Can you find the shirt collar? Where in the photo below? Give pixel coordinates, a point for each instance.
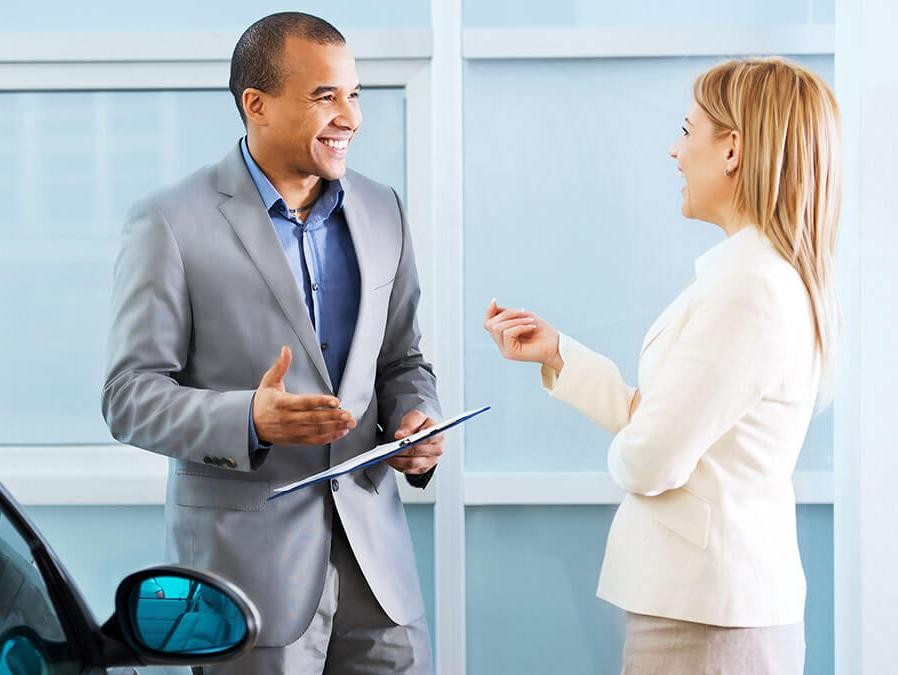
(731, 251)
(330, 200)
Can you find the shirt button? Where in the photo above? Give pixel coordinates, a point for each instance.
(314, 287)
(324, 346)
(335, 485)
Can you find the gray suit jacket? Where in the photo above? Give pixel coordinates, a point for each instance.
(203, 300)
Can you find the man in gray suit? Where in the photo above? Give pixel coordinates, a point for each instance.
(279, 253)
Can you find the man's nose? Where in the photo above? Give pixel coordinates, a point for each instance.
(349, 116)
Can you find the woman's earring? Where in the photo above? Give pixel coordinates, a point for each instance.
(728, 173)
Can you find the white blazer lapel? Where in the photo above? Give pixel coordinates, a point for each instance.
(673, 309)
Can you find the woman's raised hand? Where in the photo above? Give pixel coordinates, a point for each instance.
(522, 335)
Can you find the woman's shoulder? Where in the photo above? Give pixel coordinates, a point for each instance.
(762, 281)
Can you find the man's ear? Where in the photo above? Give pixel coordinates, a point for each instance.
(254, 107)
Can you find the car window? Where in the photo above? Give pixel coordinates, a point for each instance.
(32, 638)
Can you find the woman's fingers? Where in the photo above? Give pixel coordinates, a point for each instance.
(501, 327)
(517, 331)
(505, 315)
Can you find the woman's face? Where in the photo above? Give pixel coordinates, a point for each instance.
(703, 159)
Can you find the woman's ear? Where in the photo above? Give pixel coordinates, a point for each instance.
(734, 153)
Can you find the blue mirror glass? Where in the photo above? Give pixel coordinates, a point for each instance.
(19, 655)
(179, 615)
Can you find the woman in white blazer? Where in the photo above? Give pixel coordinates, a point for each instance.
(703, 553)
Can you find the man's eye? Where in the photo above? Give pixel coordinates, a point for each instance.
(685, 132)
(354, 94)
(329, 98)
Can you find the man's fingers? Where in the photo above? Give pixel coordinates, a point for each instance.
(316, 416)
(411, 423)
(274, 376)
(308, 402)
(319, 428)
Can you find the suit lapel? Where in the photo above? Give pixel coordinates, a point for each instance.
(357, 219)
(246, 214)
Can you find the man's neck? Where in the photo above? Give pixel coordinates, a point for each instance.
(297, 190)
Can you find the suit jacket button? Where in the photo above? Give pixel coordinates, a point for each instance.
(335, 484)
(207, 460)
(231, 462)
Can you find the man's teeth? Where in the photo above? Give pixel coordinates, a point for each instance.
(336, 145)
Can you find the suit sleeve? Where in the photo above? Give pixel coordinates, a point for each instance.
(405, 381)
(149, 342)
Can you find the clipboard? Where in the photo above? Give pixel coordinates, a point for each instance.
(377, 454)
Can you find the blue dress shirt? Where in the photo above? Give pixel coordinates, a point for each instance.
(322, 258)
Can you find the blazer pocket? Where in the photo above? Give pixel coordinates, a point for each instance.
(211, 492)
(684, 513)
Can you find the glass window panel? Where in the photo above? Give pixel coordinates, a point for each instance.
(72, 163)
(581, 13)
(420, 523)
(572, 209)
(531, 576)
(170, 15)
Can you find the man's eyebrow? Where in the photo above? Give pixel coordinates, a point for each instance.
(329, 89)
(687, 121)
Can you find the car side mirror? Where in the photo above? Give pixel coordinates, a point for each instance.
(176, 615)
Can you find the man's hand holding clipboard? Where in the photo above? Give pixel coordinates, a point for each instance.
(399, 448)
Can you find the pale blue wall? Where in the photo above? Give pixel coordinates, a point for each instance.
(531, 580)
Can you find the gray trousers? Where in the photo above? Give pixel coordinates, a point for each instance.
(659, 646)
(349, 634)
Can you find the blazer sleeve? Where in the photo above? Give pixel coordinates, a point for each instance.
(730, 352)
(405, 381)
(591, 383)
(149, 340)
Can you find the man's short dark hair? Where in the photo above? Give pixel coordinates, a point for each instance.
(256, 62)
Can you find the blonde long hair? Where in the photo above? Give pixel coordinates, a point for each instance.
(789, 179)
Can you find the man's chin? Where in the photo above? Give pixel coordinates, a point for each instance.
(332, 170)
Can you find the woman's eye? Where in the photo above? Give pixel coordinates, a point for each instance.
(685, 132)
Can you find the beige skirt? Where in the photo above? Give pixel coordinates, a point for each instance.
(658, 646)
